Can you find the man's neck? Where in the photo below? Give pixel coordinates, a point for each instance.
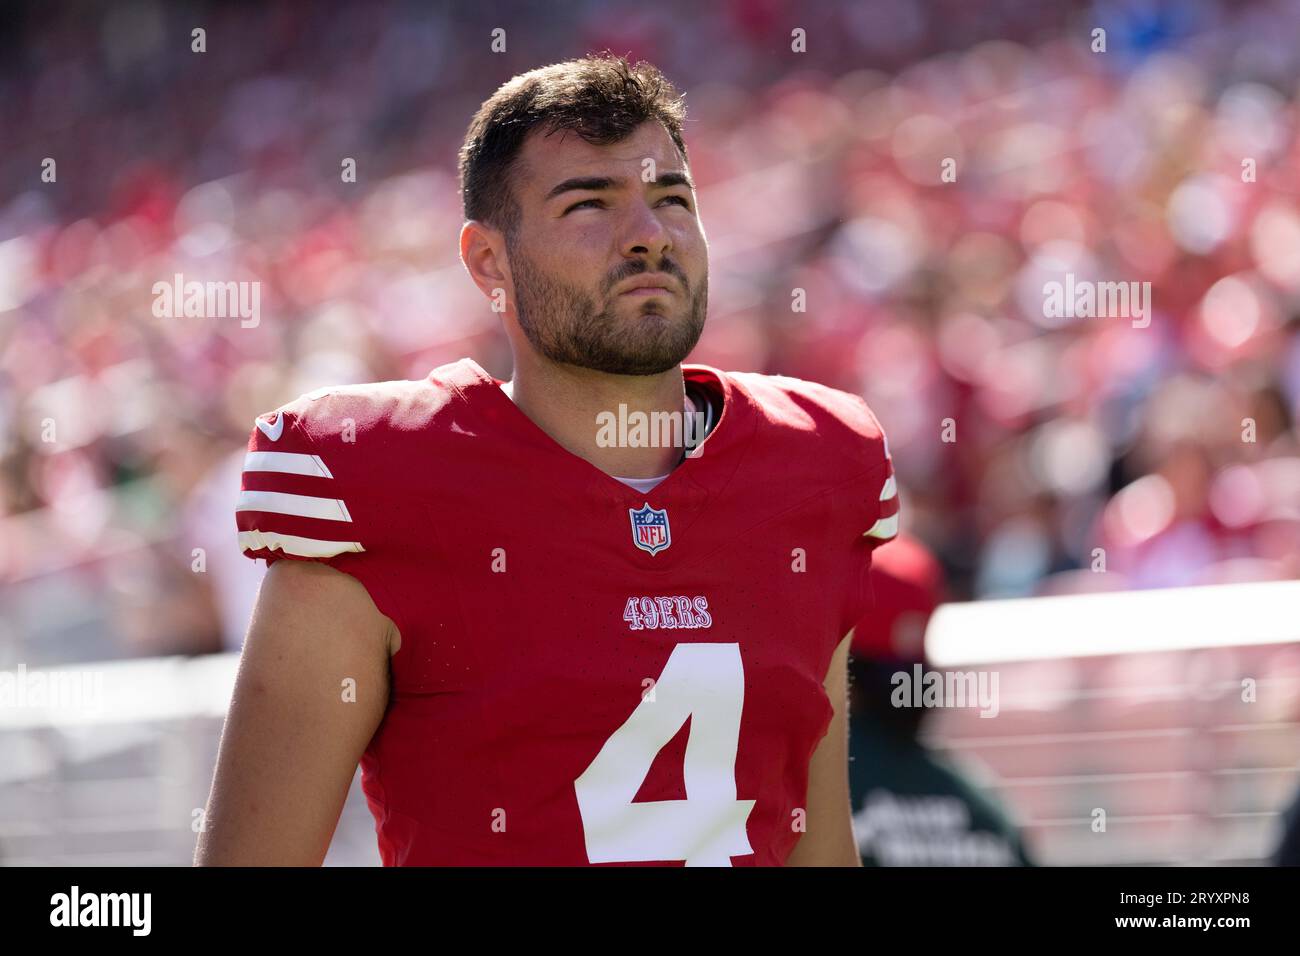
(567, 403)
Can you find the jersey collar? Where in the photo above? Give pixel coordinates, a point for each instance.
(704, 473)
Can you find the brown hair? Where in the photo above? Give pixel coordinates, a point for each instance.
(602, 98)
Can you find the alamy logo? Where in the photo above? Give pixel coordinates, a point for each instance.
(208, 300)
(103, 909)
(923, 688)
(1085, 299)
(637, 429)
(68, 690)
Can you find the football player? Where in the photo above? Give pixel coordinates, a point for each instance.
(546, 639)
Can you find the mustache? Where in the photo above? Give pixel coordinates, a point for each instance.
(666, 267)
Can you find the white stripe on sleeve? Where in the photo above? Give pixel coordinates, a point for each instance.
(303, 506)
(286, 463)
(293, 544)
(884, 528)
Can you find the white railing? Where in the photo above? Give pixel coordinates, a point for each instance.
(115, 770)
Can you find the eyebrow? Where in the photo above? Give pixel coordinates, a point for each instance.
(604, 182)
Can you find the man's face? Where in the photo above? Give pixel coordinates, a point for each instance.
(580, 240)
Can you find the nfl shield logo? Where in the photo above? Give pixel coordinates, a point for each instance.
(650, 528)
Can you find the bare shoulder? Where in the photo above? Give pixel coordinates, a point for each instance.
(309, 596)
(311, 692)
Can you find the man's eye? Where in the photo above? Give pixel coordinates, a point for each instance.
(681, 199)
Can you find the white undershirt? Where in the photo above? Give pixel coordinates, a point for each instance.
(641, 485)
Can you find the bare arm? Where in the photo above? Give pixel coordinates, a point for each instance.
(829, 840)
(292, 739)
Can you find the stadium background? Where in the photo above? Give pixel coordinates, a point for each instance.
(817, 171)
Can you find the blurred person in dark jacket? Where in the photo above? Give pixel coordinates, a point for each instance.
(1287, 852)
(912, 807)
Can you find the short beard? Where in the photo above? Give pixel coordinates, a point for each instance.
(561, 322)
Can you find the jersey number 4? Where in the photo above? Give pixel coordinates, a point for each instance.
(705, 682)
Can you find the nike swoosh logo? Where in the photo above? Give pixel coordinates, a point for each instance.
(272, 432)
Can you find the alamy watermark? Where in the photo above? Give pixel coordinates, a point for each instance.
(208, 300)
(936, 688)
(1085, 299)
(62, 689)
(624, 429)
(129, 910)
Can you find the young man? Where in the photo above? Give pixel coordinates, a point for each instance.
(548, 643)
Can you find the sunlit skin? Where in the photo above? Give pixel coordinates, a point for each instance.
(580, 346)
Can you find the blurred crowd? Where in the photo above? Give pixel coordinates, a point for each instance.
(919, 174)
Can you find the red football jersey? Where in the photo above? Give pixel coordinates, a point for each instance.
(587, 674)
